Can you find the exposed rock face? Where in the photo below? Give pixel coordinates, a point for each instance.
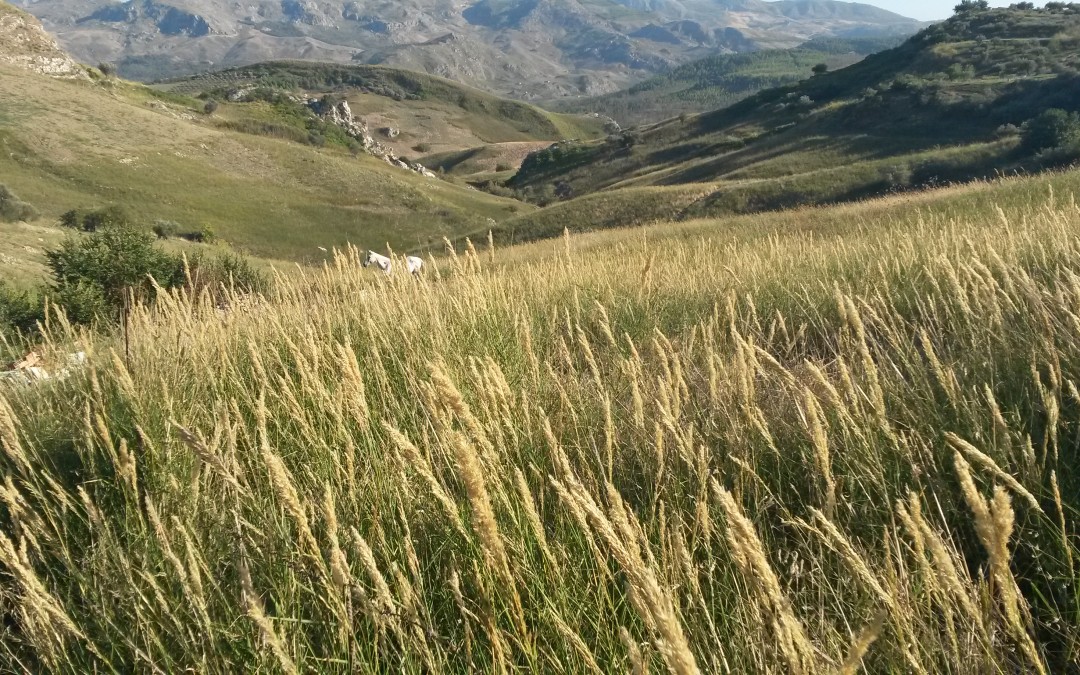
(340, 114)
(167, 19)
(525, 49)
(24, 43)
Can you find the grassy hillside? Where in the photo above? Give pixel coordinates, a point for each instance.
(723, 79)
(68, 145)
(432, 114)
(826, 441)
(946, 105)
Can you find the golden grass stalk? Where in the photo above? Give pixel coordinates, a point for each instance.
(986, 462)
(633, 653)
(533, 516)
(1065, 543)
(821, 451)
(994, 524)
(455, 402)
(485, 524)
(207, 456)
(835, 539)
(257, 614)
(418, 463)
(282, 482)
(47, 620)
(339, 564)
(861, 646)
(9, 439)
(749, 554)
(577, 643)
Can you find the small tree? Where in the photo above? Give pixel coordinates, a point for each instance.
(91, 221)
(820, 69)
(107, 69)
(967, 6)
(210, 106)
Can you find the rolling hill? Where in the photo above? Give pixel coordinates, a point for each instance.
(527, 49)
(946, 105)
(412, 113)
(269, 179)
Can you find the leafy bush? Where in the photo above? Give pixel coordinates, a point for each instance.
(94, 273)
(1051, 129)
(13, 209)
(210, 106)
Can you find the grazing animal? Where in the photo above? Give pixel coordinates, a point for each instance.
(384, 263)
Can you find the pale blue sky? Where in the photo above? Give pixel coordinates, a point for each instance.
(928, 10)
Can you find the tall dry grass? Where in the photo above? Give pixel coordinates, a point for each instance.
(792, 451)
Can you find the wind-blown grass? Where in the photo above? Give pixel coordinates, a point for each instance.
(802, 449)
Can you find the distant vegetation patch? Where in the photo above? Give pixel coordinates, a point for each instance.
(720, 80)
(13, 209)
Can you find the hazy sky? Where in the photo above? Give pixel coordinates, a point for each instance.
(928, 10)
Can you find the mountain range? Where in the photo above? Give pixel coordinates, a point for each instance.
(526, 49)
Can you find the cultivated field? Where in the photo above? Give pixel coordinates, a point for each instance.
(840, 439)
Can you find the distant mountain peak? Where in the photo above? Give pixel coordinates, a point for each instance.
(530, 49)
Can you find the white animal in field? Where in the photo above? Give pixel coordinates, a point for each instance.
(384, 263)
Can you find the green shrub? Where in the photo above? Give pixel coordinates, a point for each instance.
(20, 310)
(13, 209)
(210, 106)
(83, 302)
(165, 229)
(1051, 129)
(94, 273)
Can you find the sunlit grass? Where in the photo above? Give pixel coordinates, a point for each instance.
(838, 439)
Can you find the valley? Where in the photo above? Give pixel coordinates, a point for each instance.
(779, 376)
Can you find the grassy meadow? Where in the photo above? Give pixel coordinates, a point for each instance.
(831, 440)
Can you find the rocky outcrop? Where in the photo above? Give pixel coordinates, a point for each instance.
(24, 43)
(340, 114)
(306, 12)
